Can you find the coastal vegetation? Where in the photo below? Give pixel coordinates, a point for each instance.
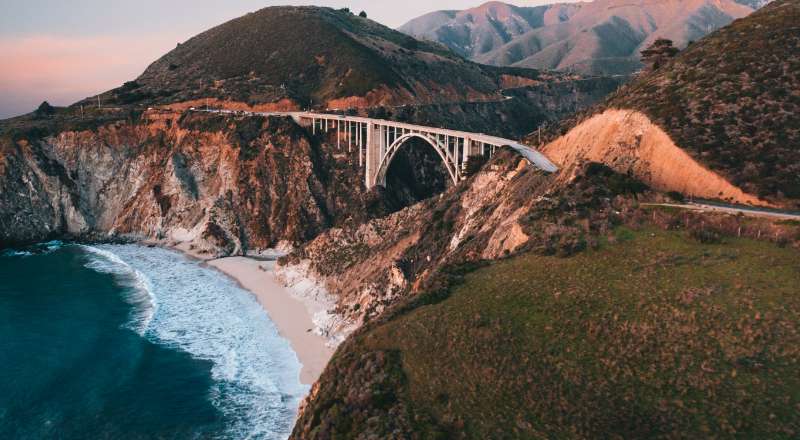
(651, 334)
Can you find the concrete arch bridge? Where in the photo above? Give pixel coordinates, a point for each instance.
(379, 140)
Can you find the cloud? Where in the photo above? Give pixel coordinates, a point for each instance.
(63, 70)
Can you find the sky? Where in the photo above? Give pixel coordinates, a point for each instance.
(64, 50)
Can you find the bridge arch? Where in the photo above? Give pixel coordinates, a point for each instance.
(389, 154)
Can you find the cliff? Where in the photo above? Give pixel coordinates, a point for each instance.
(218, 183)
(508, 207)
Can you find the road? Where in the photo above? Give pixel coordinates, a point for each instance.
(732, 209)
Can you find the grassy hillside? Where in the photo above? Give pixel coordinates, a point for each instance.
(652, 335)
(309, 55)
(732, 100)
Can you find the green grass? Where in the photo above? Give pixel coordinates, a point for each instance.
(655, 335)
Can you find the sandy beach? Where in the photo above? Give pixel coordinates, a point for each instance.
(290, 314)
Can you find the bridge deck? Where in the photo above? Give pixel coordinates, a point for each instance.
(531, 154)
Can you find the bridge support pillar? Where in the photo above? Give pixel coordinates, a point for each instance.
(373, 149)
(466, 153)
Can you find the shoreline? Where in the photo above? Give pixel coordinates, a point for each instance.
(290, 314)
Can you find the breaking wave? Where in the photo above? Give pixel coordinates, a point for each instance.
(188, 307)
(37, 249)
(139, 291)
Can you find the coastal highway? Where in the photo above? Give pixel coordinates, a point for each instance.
(732, 209)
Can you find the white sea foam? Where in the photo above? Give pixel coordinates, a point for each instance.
(320, 303)
(139, 290)
(14, 253)
(51, 246)
(202, 312)
(38, 249)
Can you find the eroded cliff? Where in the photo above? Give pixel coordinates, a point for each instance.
(221, 184)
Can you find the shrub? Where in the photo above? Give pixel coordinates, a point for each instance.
(474, 164)
(706, 234)
(676, 196)
(45, 109)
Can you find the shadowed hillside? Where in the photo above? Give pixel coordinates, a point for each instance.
(309, 56)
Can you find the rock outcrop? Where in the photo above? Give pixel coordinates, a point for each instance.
(506, 208)
(630, 143)
(219, 184)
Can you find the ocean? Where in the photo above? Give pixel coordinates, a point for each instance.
(127, 341)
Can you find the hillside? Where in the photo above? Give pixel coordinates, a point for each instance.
(543, 347)
(578, 327)
(599, 37)
(476, 31)
(292, 57)
(727, 104)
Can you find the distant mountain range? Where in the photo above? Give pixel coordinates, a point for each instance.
(600, 37)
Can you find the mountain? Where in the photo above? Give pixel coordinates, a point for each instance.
(293, 57)
(603, 36)
(755, 4)
(718, 121)
(477, 31)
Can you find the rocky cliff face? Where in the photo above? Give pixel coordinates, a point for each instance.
(220, 184)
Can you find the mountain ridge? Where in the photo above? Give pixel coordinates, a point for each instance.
(600, 37)
(269, 59)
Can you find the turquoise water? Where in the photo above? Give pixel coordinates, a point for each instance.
(125, 341)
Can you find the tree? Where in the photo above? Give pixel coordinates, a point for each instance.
(658, 53)
(362, 14)
(45, 109)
